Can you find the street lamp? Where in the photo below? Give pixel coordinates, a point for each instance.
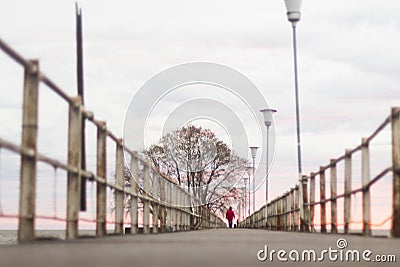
(249, 170)
(268, 122)
(294, 15)
(253, 150)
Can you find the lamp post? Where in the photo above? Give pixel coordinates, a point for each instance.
(294, 15)
(249, 170)
(267, 113)
(253, 150)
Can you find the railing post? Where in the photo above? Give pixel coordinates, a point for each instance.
(365, 182)
(347, 190)
(396, 171)
(146, 202)
(119, 181)
(292, 212)
(305, 224)
(74, 159)
(274, 219)
(322, 198)
(101, 189)
(265, 221)
(174, 210)
(296, 204)
(188, 214)
(287, 213)
(168, 201)
(184, 223)
(312, 201)
(251, 220)
(26, 227)
(178, 208)
(269, 216)
(289, 210)
(301, 203)
(134, 186)
(163, 208)
(182, 205)
(333, 196)
(278, 213)
(156, 180)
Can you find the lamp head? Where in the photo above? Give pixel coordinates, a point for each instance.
(293, 10)
(253, 150)
(267, 113)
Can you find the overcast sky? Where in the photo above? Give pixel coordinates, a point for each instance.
(348, 64)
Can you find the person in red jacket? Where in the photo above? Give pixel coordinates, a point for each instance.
(229, 216)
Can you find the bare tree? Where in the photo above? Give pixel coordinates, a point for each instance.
(195, 158)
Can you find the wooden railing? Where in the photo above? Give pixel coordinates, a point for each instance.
(295, 209)
(172, 208)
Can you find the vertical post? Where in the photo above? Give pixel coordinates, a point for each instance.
(184, 206)
(305, 220)
(322, 198)
(174, 209)
(162, 208)
(80, 86)
(278, 213)
(286, 203)
(289, 210)
(396, 171)
(296, 83)
(266, 215)
(347, 190)
(101, 189)
(214, 220)
(119, 196)
(283, 216)
(156, 180)
(74, 159)
(333, 197)
(287, 222)
(134, 186)
(292, 212)
(188, 209)
(178, 206)
(169, 201)
(312, 201)
(182, 202)
(146, 202)
(26, 227)
(365, 183)
(296, 204)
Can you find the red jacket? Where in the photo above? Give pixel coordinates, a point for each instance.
(230, 215)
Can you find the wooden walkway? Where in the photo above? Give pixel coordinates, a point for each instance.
(205, 248)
